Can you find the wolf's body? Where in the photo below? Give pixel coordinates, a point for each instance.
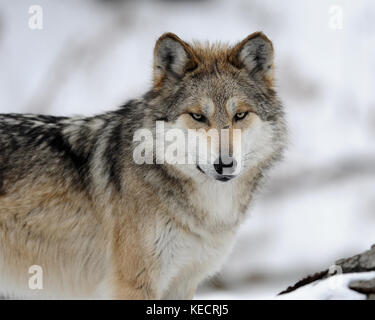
(73, 201)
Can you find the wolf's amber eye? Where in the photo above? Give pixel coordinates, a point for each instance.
(240, 115)
(198, 117)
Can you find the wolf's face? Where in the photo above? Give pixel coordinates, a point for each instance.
(222, 99)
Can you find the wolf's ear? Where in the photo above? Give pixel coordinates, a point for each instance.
(255, 54)
(172, 58)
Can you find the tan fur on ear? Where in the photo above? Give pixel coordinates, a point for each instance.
(173, 55)
(255, 53)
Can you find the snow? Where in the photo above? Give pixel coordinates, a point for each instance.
(333, 288)
(318, 204)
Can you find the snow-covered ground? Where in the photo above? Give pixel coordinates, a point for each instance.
(319, 204)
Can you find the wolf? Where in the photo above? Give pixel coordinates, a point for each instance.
(99, 225)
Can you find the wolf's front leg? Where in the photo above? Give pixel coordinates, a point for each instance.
(127, 292)
(136, 285)
(183, 287)
(181, 291)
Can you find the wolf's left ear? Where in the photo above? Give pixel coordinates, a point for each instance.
(255, 54)
(172, 58)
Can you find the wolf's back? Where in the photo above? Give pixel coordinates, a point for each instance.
(35, 145)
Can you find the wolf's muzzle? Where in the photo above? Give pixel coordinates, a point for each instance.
(225, 166)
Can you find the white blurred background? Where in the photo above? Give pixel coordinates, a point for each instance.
(319, 203)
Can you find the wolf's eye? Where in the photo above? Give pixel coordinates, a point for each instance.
(240, 115)
(198, 117)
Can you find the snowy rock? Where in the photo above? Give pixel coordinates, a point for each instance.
(351, 278)
(337, 287)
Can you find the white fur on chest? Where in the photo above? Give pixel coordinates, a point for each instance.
(203, 253)
(187, 254)
(217, 199)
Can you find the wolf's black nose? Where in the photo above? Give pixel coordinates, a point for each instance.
(225, 165)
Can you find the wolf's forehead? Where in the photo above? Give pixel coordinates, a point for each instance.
(223, 106)
(217, 88)
(210, 54)
(207, 105)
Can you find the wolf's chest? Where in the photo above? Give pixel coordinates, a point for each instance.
(217, 202)
(202, 246)
(183, 254)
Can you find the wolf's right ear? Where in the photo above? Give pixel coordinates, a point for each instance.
(172, 58)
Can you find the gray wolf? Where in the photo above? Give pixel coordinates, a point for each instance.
(74, 202)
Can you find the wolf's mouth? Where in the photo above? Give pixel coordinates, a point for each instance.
(222, 178)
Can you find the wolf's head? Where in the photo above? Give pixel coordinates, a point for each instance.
(218, 88)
